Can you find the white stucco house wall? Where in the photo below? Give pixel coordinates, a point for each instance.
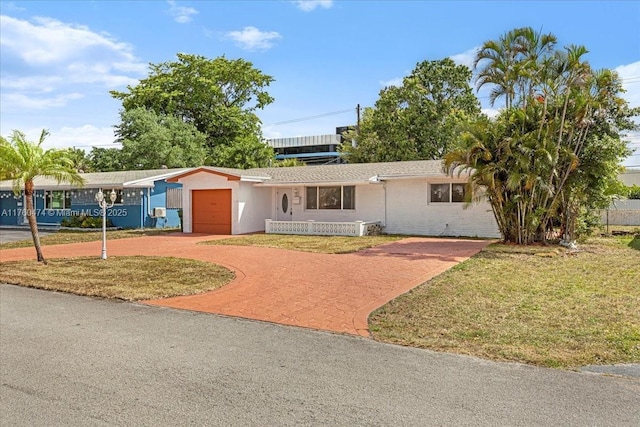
(414, 198)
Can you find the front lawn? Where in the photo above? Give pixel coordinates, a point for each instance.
(126, 278)
(318, 244)
(539, 305)
(63, 236)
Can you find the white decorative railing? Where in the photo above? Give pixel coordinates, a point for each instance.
(356, 228)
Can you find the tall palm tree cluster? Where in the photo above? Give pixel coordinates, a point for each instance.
(551, 155)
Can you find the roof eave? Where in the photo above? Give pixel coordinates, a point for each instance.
(148, 182)
(316, 183)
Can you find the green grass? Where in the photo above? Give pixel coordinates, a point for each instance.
(126, 278)
(318, 244)
(62, 237)
(539, 305)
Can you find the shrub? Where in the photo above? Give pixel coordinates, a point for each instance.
(634, 192)
(84, 221)
(587, 223)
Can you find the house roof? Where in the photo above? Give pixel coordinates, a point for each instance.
(120, 179)
(340, 173)
(356, 172)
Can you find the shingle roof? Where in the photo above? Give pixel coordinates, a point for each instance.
(353, 172)
(356, 172)
(106, 179)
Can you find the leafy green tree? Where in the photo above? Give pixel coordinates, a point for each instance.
(22, 161)
(151, 141)
(553, 154)
(218, 96)
(245, 153)
(106, 159)
(80, 159)
(419, 120)
(287, 163)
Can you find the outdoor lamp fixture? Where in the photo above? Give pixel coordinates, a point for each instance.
(104, 205)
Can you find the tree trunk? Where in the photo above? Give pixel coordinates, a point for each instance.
(31, 217)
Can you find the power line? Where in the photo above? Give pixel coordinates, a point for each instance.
(301, 119)
(97, 145)
(632, 79)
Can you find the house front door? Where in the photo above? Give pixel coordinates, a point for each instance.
(284, 204)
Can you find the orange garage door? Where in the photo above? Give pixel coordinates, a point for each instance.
(211, 211)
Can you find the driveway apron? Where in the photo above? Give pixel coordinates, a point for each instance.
(320, 291)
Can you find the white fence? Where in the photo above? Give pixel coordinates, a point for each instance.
(357, 228)
(622, 212)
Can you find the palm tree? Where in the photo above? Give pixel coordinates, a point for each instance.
(497, 64)
(512, 63)
(22, 161)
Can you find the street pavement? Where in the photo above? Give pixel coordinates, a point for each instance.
(69, 360)
(16, 234)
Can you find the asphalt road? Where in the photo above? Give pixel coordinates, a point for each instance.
(13, 235)
(68, 360)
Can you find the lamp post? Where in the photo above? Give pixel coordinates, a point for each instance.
(102, 202)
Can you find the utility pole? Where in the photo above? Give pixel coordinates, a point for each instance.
(358, 116)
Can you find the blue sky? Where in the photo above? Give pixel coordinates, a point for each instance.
(59, 59)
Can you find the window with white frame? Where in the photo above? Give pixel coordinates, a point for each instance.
(57, 199)
(448, 193)
(331, 197)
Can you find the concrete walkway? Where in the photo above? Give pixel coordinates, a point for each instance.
(320, 291)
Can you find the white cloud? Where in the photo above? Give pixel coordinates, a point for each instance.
(465, 58)
(19, 101)
(54, 63)
(268, 132)
(84, 137)
(397, 81)
(490, 112)
(251, 38)
(98, 74)
(309, 5)
(12, 7)
(46, 41)
(630, 75)
(43, 84)
(181, 14)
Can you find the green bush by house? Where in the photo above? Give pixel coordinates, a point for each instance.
(84, 221)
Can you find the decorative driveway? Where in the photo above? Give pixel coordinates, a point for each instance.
(320, 291)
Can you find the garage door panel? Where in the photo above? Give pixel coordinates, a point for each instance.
(211, 211)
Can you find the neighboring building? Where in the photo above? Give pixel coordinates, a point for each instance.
(624, 212)
(414, 198)
(630, 177)
(312, 150)
(144, 199)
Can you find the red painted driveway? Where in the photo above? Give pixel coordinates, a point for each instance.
(330, 292)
